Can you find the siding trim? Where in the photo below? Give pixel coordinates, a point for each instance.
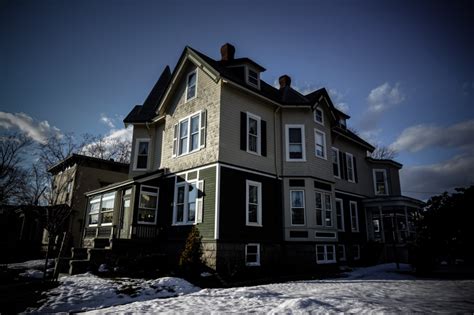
(217, 199)
(247, 170)
(349, 194)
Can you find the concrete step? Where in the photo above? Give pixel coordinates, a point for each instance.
(78, 253)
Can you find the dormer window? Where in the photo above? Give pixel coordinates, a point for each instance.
(319, 116)
(342, 122)
(252, 77)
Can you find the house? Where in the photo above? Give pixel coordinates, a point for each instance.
(74, 176)
(269, 176)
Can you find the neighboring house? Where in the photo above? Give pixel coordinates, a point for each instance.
(74, 176)
(270, 177)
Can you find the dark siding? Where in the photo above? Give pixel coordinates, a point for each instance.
(243, 131)
(348, 237)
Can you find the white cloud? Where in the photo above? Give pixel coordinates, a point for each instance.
(337, 98)
(107, 121)
(384, 96)
(422, 136)
(37, 131)
(124, 134)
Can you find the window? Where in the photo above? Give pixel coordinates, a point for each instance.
(342, 123)
(68, 190)
(341, 252)
(254, 203)
(354, 216)
(356, 252)
(336, 168)
(148, 205)
(320, 143)
(189, 134)
(350, 167)
(323, 209)
(252, 255)
(325, 254)
(101, 209)
(187, 201)
(297, 207)
(141, 154)
(253, 134)
(339, 215)
(380, 182)
(295, 148)
(319, 116)
(191, 81)
(253, 78)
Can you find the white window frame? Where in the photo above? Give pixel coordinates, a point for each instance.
(338, 162)
(342, 229)
(186, 185)
(323, 208)
(249, 183)
(326, 260)
(357, 250)
(257, 263)
(189, 134)
(247, 75)
(322, 116)
(374, 171)
(259, 133)
(195, 86)
(303, 144)
(135, 159)
(323, 134)
(343, 256)
(354, 213)
(100, 200)
(156, 206)
(291, 208)
(350, 157)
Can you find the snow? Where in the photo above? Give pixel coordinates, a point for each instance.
(374, 289)
(37, 264)
(31, 273)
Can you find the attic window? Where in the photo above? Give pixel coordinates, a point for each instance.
(342, 122)
(253, 78)
(191, 85)
(319, 116)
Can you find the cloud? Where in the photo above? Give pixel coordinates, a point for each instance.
(422, 136)
(337, 98)
(37, 131)
(384, 96)
(124, 134)
(107, 121)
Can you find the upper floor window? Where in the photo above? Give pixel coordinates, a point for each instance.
(336, 168)
(253, 77)
(354, 216)
(295, 143)
(339, 215)
(253, 203)
(297, 207)
(148, 205)
(323, 209)
(253, 134)
(191, 82)
(380, 182)
(188, 202)
(320, 143)
(189, 134)
(342, 122)
(350, 167)
(325, 254)
(141, 154)
(319, 116)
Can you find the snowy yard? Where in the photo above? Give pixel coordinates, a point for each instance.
(374, 289)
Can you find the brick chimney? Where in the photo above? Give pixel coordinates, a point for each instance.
(285, 81)
(227, 52)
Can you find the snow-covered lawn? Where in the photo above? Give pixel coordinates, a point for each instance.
(374, 289)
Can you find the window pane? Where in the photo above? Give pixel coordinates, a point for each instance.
(146, 215)
(319, 203)
(297, 215)
(253, 140)
(251, 258)
(191, 88)
(183, 129)
(296, 151)
(330, 252)
(327, 201)
(93, 219)
(253, 126)
(253, 213)
(108, 205)
(94, 207)
(295, 135)
(180, 198)
(191, 211)
(380, 176)
(297, 199)
(195, 141)
(195, 124)
(142, 161)
(147, 201)
(143, 147)
(107, 217)
(192, 79)
(253, 194)
(179, 213)
(251, 249)
(319, 115)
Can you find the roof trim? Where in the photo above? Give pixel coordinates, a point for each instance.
(72, 156)
(384, 161)
(365, 145)
(109, 187)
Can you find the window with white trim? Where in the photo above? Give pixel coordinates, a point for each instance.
(253, 133)
(188, 202)
(252, 255)
(253, 77)
(319, 116)
(380, 182)
(339, 215)
(325, 254)
(350, 167)
(323, 209)
(320, 143)
(354, 216)
(253, 203)
(356, 252)
(189, 134)
(297, 207)
(148, 205)
(101, 209)
(341, 252)
(336, 165)
(295, 143)
(191, 82)
(142, 148)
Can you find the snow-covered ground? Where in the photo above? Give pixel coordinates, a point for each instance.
(374, 289)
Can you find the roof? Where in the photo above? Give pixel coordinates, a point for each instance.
(352, 136)
(384, 161)
(89, 161)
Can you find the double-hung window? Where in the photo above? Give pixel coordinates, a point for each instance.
(252, 255)
(191, 82)
(254, 203)
(148, 205)
(320, 143)
(297, 207)
(339, 215)
(350, 167)
(380, 182)
(325, 254)
(323, 209)
(141, 154)
(295, 143)
(94, 209)
(336, 168)
(319, 116)
(187, 202)
(354, 216)
(101, 209)
(253, 78)
(253, 134)
(189, 134)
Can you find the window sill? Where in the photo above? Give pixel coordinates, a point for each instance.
(190, 99)
(252, 264)
(183, 224)
(254, 153)
(188, 153)
(300, 160)
(321, 157)
(146, 223)
(253, 224)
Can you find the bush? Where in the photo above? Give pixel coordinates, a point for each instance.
(190, 261)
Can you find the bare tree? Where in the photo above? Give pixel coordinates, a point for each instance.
(107, 148)
(382, 152)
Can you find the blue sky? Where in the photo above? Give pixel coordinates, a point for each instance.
(403, 70)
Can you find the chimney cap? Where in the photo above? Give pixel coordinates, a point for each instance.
(227, 52)
(285, 81)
